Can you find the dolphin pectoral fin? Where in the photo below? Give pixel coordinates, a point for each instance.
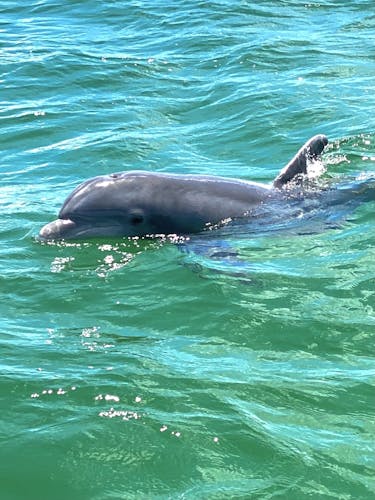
(298, 164)
(56, 229)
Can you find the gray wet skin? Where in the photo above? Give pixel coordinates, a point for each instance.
(138, 203)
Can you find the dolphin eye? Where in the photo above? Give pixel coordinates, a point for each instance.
(136, 219)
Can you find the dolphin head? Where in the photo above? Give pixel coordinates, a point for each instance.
(112, 205)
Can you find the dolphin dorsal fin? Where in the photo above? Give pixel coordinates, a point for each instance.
(298, 164)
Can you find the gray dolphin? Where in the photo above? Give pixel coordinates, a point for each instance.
(138, 203)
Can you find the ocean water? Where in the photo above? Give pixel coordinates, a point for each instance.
(239, 365)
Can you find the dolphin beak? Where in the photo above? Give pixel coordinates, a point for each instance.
(57, 230)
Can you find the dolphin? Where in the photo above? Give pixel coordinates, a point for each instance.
(141, 203)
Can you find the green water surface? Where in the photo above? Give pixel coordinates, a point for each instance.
(142, 370)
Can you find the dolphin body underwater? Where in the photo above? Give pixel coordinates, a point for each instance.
(140, 203)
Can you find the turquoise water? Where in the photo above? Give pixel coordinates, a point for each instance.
(138, 369)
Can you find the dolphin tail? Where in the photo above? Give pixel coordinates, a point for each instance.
(298, 165)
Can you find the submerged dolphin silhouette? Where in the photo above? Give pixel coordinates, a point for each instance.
(138, 203)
